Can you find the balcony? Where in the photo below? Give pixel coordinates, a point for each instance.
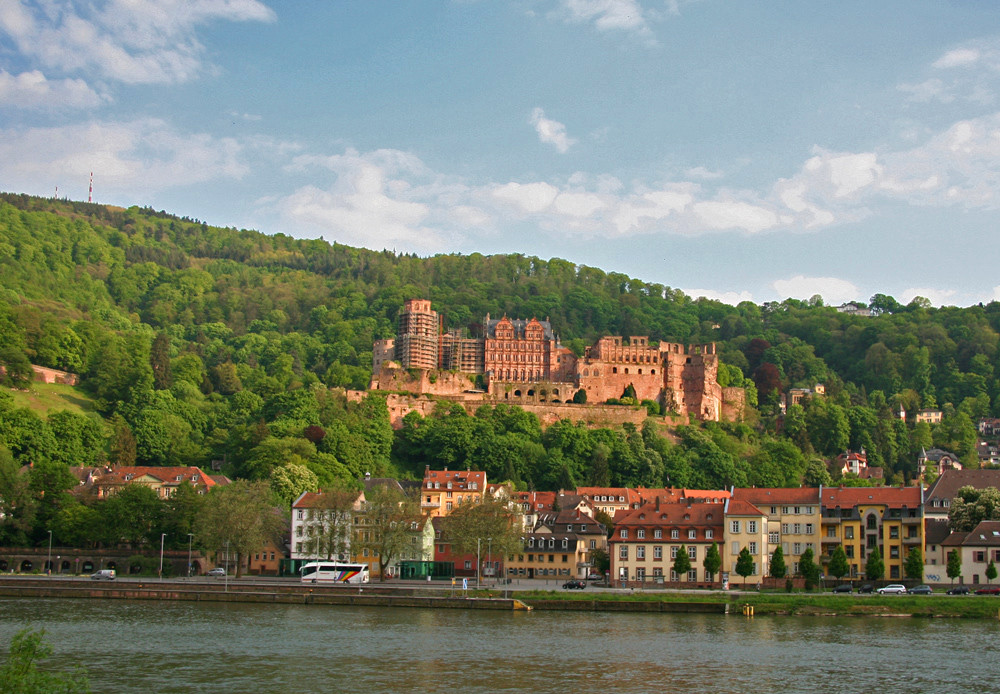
(827, 540)
(430, 504)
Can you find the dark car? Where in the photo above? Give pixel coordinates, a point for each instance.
(577, 585)
(845, 588)
(866, 588)
(959, 590)
(920, 590)
(988, 590)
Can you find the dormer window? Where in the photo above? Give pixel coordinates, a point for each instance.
(531, 542)
(623, 534)
(657, 534)
(128, 477)
(569, 527)
(194, 478)
(674, 534)
(179, 478)
(565, 543)
(621, 499)
(691, 534)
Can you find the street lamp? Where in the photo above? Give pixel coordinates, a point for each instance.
(190, 538)
(163, 537)
(48, 564)
(478, 560)
(227, 566)
(489, 557)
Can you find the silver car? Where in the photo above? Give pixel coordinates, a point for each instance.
(897, 588)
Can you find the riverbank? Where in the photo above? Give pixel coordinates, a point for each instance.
(798, 604)
(443, 597)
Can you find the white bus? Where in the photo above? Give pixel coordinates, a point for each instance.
(334, 572)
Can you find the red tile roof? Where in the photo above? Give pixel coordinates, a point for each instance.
(169, 476)
(738, 507)
(650, 515)
(766, 496)
(681, 495)
(893, 497)
(460, 479)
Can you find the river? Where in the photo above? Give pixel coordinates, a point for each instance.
(184, 647)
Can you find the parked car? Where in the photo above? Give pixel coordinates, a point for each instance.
(920, 590)
(595, 577)
(892, 589)
(104, 575)
(958, 590)
(574, 585)
(218, 571)
(866, 588)
(844, 588)
(988, 590)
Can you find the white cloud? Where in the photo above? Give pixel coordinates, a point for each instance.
(131, 41)
(702, 173)
(731, 298)
(834, 291)
(608, 14)
(959, 57)
(31, 90)
(128, 158)
(528, 197)
(735, 214)
(929, 90)
(551, 132)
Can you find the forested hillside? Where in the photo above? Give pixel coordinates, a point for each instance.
(201, 343)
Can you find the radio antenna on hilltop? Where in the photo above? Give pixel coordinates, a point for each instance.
(90, 193)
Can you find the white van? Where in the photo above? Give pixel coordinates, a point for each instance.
(103, 575)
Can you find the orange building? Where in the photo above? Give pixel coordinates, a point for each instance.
(442, 491)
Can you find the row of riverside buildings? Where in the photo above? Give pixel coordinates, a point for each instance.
(651, 526)
(561, 531)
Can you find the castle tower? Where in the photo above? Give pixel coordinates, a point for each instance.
(417, 336)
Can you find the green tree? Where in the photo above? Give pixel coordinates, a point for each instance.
(682, 563)
(387, 522)
(913, 567)
(328, 534)
(600, 561)
(744, 564)
(954, 568)
(20, 673)
(240, 517)
(17, 368)
(713, 560)
(289, 481)
(972, 506)
(991, 571)
(778, 568)
(838, 567)
(18, 503)
(809, 569)
(132, 516)
(874, 567)
(490, 523)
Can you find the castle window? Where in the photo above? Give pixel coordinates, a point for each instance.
(614, 369)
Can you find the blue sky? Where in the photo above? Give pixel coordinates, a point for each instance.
(736, 150)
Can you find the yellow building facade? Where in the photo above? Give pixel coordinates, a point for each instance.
(859, 519)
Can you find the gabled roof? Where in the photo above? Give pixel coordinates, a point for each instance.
(738, 507)
(891, 497)
(317, 499)
(986, 534)
(460, 479)
(166, 476)
(682, 515)
(681, 495)
(519, 325)
(947, 485)
(936, 531)
(767, 496)
(630, 495)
